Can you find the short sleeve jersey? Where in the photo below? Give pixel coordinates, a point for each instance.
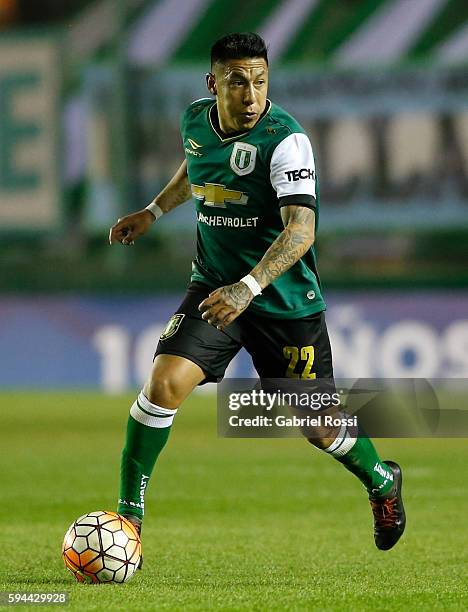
(239, 184)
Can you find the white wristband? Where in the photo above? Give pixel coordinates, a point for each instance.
(252, 284)
(155, 210)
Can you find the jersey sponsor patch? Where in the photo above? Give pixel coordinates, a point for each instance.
(215, 194)
(172, 326)
(297, 175)
(243, 158)
(292, 168)
(220, 221)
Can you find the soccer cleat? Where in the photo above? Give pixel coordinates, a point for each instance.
(389, 513)
(136, 522)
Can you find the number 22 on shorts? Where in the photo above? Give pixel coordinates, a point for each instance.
(307, 354)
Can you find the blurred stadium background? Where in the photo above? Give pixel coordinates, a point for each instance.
(90, 97)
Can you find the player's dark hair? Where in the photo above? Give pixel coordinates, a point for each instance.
(238, 46)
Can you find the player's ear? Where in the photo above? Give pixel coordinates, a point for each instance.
(211, 83)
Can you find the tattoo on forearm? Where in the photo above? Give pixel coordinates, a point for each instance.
(288, 248)
(174, 195)
(182, 193)
(176, 192)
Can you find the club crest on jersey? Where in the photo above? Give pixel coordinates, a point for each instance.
(243, 158)
(172, 326)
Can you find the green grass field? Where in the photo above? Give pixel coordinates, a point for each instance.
(231, 524)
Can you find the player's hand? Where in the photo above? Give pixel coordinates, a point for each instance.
(225, 304)
(129, 228)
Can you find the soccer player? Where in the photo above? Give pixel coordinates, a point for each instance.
(250, 169)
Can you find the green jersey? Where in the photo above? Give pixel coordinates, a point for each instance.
(239, 184)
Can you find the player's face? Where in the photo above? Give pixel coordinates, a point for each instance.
(241, 88)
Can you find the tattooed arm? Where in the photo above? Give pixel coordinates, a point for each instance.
(293, 242)
(129, 228)
(226, 303)
(176, 192)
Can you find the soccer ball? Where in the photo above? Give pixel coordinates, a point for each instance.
(101, 547)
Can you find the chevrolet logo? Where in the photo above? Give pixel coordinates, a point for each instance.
(194, 144)
(215, 194)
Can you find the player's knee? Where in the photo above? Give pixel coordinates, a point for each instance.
(163, 390)
(321, 443)
(322, 437)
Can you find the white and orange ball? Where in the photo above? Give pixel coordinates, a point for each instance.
(102, 547)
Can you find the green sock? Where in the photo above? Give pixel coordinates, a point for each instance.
(359, 456)
(147, 433)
